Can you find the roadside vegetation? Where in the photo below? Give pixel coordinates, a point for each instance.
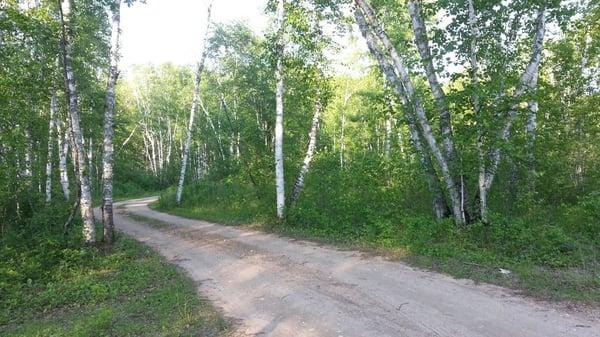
(52, 285)
(552, 254)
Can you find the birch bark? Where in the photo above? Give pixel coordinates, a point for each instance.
(213, 128)
(422, 42)
(108, 145)
(528, 81)
(474, 31)
(310, 152)
(372, 23)
(51, 133)
(62, 138)
(195, 98)
(387, 141)
(89, 231)
(279, 174)
(440, 207)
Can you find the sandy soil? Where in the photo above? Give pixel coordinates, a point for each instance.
(274, 286)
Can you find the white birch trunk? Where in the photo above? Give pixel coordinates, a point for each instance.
(422, 42)
(213, 128)
(89, 230)
(90, 157)
(196, 97)
(169, 142)
(526, 82)
(109, 111)
(387, 141)
(440, 157)
(27, 172)
(147, 151)
(310, 151)
(474, 31)
(531, 131)
(130, 136)
(63, 151)
(51, 130)
(279, 174)
(440, 208)
(161, 158)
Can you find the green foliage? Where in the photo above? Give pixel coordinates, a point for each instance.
(52, 286)
(553, 258)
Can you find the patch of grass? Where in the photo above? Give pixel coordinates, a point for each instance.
(129, 291)
(546, 258)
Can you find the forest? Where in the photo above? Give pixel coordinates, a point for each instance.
(458, 136)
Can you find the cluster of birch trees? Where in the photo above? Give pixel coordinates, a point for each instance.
(59, 44)
(478, 107)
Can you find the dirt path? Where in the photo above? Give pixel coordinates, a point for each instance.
(274, 286)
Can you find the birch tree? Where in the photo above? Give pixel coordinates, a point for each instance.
(439, 205)
(527, 83)
(195, 99)
(451, 186)
(51, 134)
(279, 92)
(107, 145)
(62, 139)
(310, 151)
(85, 204)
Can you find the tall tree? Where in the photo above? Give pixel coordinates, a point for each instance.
(440, 207)
(441, 159)
(195, 100)
(279, 92)
(108, 146)
(51, 133)
(527, 84)
(310, 151)
(62, 139)
(85, 202)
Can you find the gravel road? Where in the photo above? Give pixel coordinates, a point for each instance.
(274, 286)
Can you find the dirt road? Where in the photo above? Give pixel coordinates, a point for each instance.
(273, 286)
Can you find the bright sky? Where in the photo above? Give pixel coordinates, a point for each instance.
(163, 31)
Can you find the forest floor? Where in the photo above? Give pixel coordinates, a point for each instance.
(274, 286)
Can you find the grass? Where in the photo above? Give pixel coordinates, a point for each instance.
(543, 261)
(130, 291)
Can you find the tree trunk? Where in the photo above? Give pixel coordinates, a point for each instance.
(279, 174)
(62, 137)
(169, 142)
(452, 155)
(474, 31)
(440, 207)
(531, 132)
(90, 158)
(411, 96)
(422, 42)
(196, 97)
(214, 129)
(27, 171)
(109, 132)
(89, 230)
(387, 141)
(310, 152)
(51, 129)
(527, 82)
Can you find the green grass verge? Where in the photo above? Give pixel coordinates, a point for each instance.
(130, 291)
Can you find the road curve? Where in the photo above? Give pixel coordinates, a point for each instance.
(274, 286)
